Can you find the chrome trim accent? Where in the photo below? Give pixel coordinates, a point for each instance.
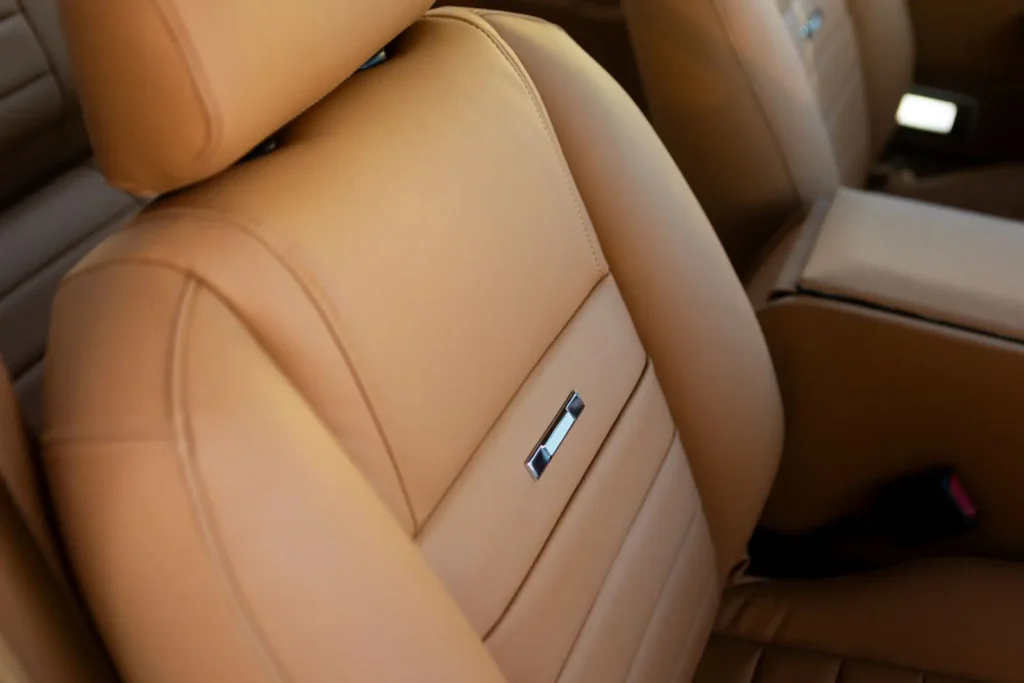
(813, 24)
(555, 434)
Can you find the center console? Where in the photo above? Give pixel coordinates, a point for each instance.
(897, 331)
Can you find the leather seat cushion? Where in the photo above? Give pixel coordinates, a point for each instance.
(938, 619)
(994, 190)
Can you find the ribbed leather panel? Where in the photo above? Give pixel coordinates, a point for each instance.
(729, 660)
(52, 211)
(495, 506)
(41, 238)
(41, 132)
(30, 98)
(603, 569)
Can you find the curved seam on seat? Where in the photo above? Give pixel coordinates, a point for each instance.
(483, 13)
(538, 107)
(53, 259)
(212, 128)
(769, 117)
(310, 288)
(229, 306)
(185, 450)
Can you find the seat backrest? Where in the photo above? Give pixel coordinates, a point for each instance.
(595, 25)
(54, 206)
(43, 637)
(290, 409)
(767, 105)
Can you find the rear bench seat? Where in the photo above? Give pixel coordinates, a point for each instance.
(54, 206)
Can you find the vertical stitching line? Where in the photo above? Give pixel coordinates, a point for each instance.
(200, 502)
(684, 545)
(542, 117)
(197, 78)
(705, 602)
(618, 552)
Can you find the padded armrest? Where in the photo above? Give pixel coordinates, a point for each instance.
(961, 268)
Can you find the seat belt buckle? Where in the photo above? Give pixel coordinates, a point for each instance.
(926, 506)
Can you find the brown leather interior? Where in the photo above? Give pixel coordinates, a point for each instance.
(597, 26)
(43, 636)
(763, 119)
(290, 404)
(955, 267)
(896, 625)
(892, 325)
(871, 396)
(199, 104)
(54, 206)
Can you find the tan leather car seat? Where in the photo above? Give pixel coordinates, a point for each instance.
(763, 119)
(291, 407)
(43, 637)
(595, 25)
(54, 205)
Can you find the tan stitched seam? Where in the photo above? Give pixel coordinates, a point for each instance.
(684, 545)
(200, 503)
(690, 638)
(212, 128)
(484, 13)
(309, 286)
(622, 544)
(512, 397)
(558, 522)
(538, 107)
(86, 439)
(29, 279)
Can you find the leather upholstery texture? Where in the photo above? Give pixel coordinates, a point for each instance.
(993, 190)
(598, 26)
(761, 118)
(734, 660)
(904, 395)
(337, 376)
(54, 206)
(39, 126)
(305, 389)
(757, 118)
(219, 78)
(770, 105)
(43, 637)
(957, 267)
(946, 620)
